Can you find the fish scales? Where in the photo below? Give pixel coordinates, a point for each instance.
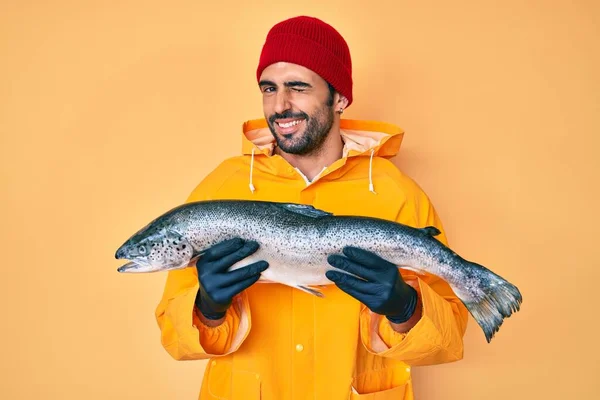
(296, 239)
(294, 242)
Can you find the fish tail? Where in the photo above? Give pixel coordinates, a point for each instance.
(498, 299)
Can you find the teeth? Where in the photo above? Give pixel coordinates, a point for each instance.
(290, 124)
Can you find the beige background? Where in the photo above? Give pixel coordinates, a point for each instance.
(112, 111)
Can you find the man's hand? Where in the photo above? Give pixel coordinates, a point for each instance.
(381, 288)
(217, 285)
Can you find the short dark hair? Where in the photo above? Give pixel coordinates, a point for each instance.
(331, 93)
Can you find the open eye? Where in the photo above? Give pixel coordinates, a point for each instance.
(142, 249)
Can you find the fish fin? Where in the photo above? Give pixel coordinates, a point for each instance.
(195, 258)
(430, 230)
(303, 209)
(500, 300)
(310, 290)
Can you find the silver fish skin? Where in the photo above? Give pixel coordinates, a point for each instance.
(296, 239)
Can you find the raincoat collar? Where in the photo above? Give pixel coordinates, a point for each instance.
(360, 138)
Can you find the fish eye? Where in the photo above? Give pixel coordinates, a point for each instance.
(142, 249)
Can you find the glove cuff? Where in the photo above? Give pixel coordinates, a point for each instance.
(212, 316)
(208, 314)
(409, 308)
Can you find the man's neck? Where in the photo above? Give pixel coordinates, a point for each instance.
(312, 164)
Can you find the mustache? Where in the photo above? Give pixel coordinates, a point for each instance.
(287, 114)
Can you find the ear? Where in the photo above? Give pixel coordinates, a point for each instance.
(342, 103)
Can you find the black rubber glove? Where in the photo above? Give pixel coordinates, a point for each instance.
(217, 285)
(381, 288)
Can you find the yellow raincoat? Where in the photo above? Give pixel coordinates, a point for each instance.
(280, 343)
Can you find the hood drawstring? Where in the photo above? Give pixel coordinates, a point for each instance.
(251, 186)
(371, 188)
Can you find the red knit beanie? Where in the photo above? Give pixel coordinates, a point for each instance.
(314, 44)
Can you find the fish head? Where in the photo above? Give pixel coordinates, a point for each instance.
(151, 252)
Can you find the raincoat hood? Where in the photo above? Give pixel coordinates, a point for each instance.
(360, 138)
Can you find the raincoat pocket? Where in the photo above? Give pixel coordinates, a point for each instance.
(381, 384)
(225, 383)
(396, 393)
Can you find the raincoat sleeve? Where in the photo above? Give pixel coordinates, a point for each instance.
(438, 336)
(183, 335)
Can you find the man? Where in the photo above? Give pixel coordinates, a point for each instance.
(269, 341)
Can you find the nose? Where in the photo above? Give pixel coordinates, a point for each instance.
(282, 101)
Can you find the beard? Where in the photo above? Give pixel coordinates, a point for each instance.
(311, 140)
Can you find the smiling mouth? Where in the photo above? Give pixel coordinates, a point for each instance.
(288, 126)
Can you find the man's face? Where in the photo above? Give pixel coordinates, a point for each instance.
(298, 106)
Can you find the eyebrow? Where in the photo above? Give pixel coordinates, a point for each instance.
(266, 83)
(287, 84)
(297, 84)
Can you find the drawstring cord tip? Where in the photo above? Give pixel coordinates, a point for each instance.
(250, 185)
(371, 186)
